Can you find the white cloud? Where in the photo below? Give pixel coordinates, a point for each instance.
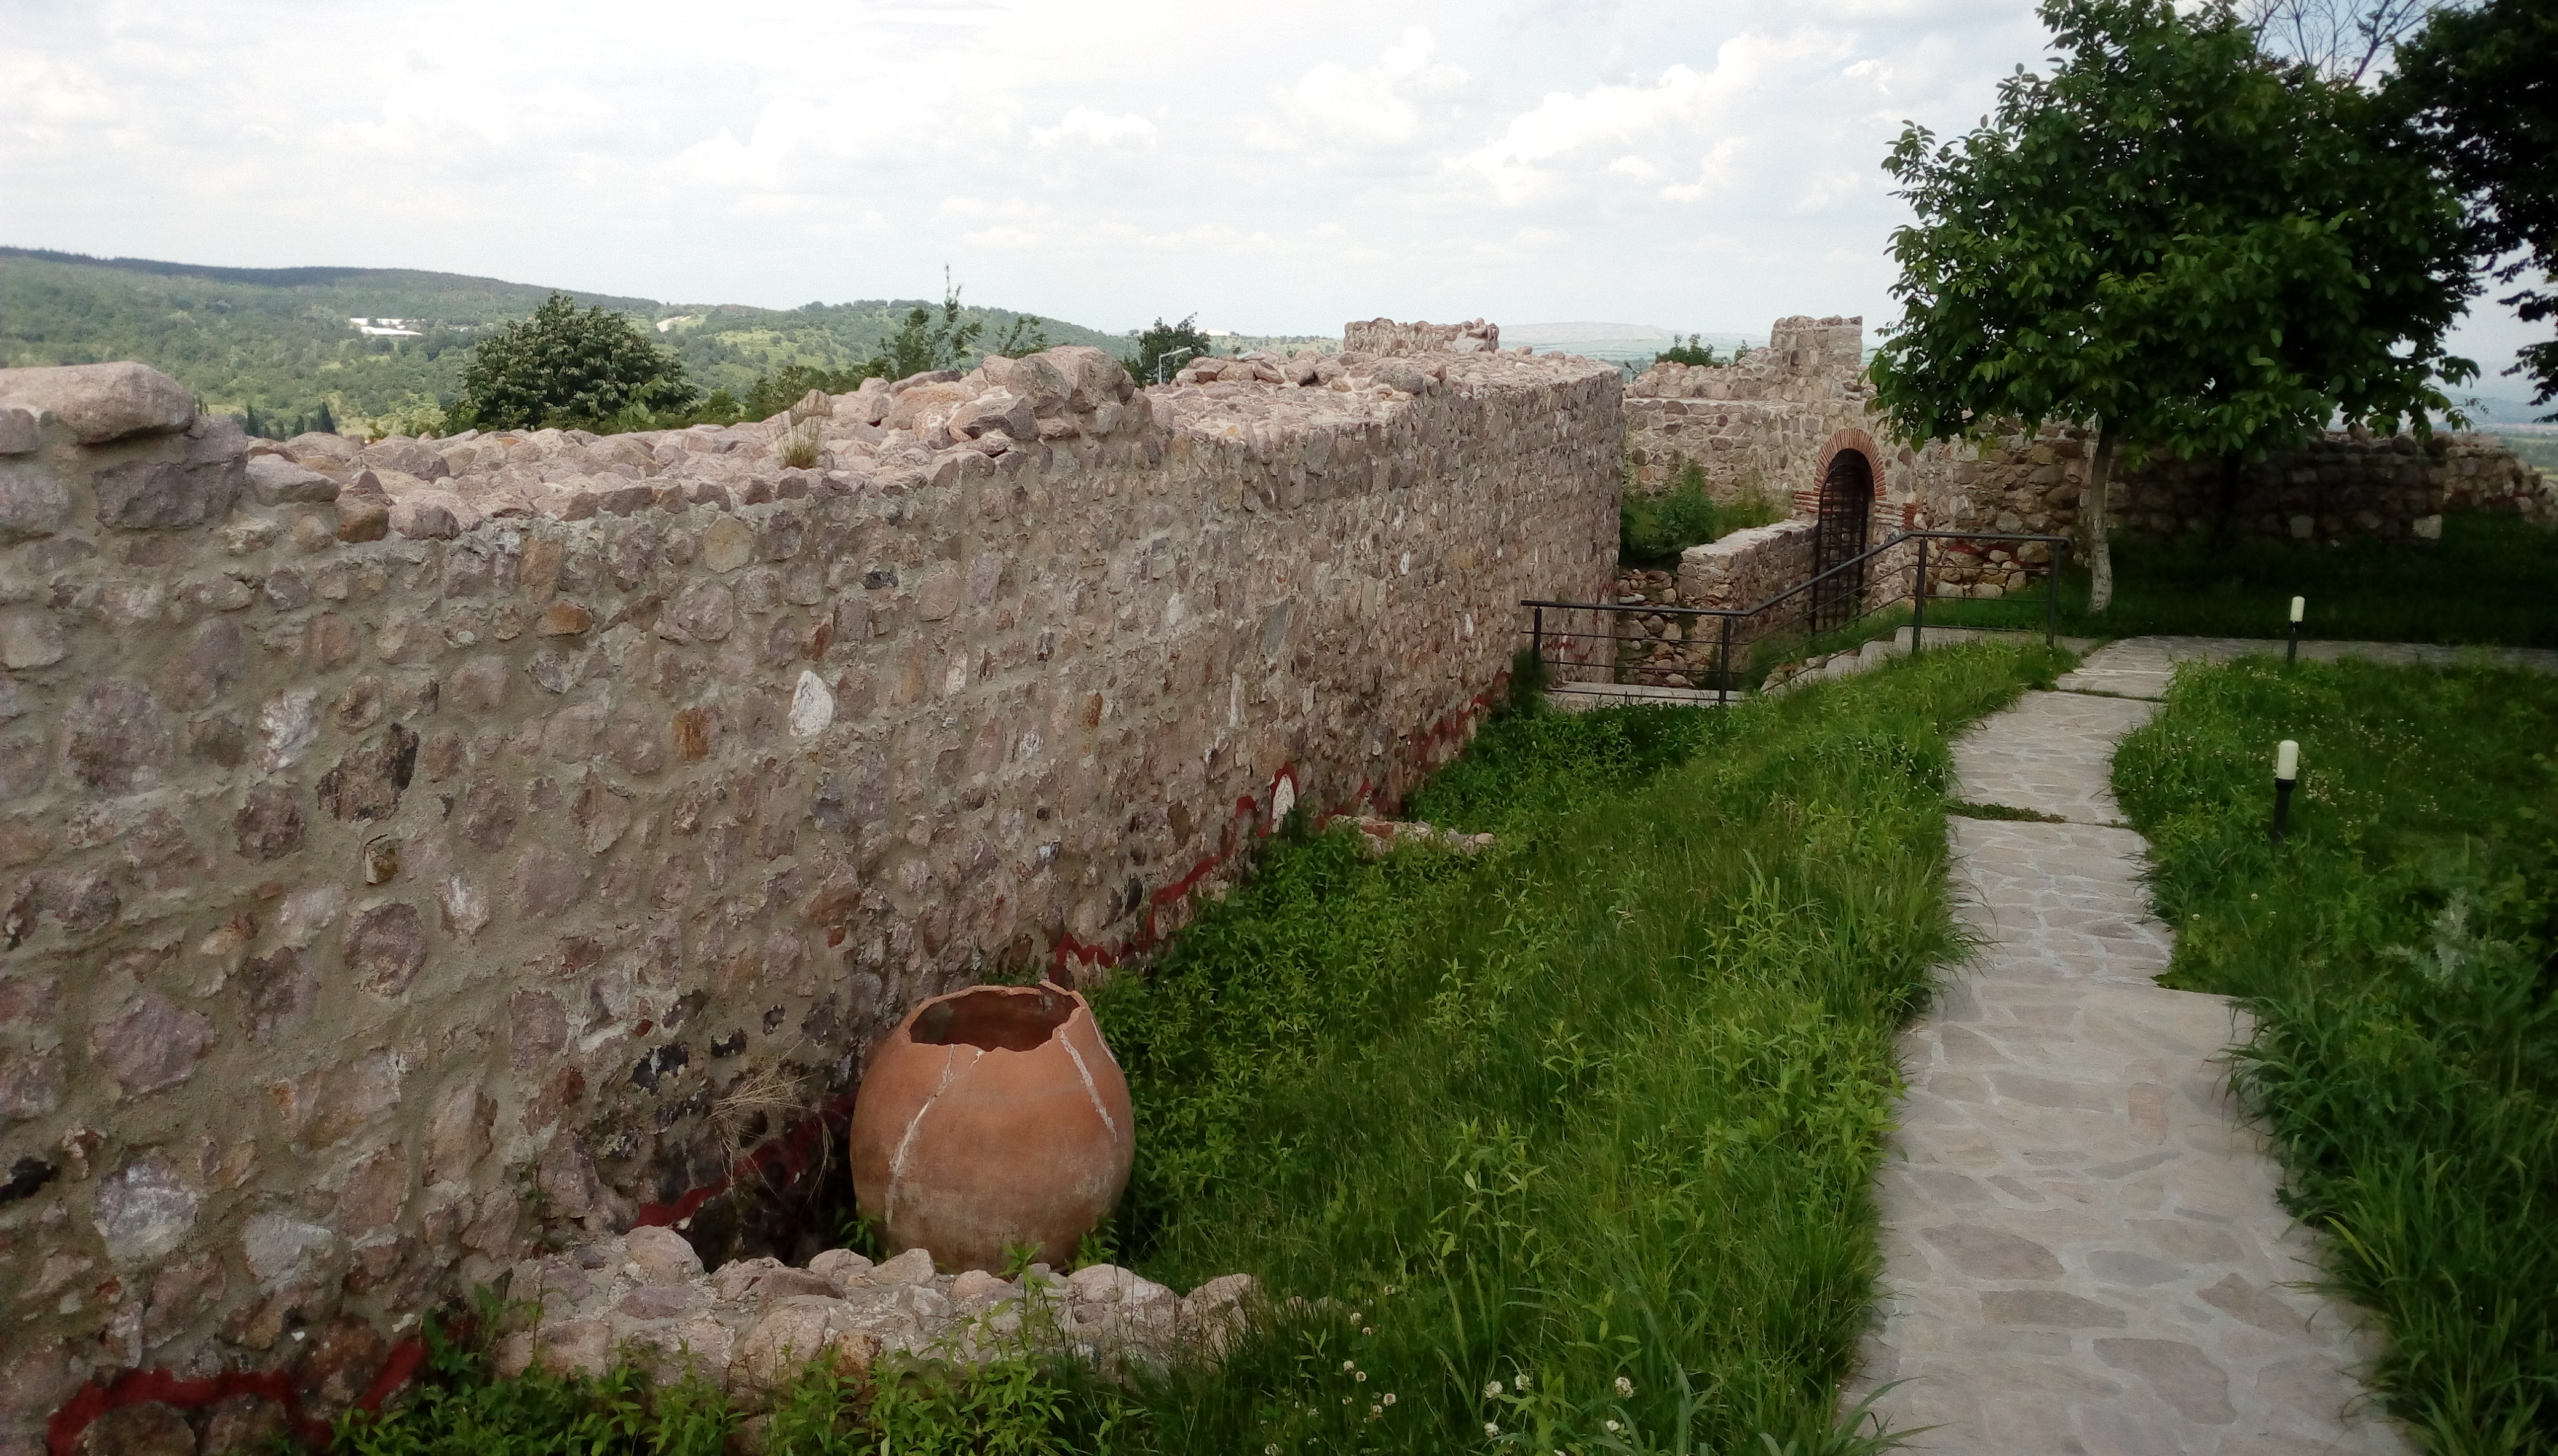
(1526, 161)
(1371, 107)
(1095, 128)
(1706, 167)
(41, 96)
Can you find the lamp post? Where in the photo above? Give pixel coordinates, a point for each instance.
(2292, 654)
(1163, 362)
(2287, 772)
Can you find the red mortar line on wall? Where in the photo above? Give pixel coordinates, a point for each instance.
(794, 1150)
(141, 1386)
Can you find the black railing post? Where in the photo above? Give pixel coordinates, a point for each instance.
(1723, 670)
(1918, 601)
(2052, 596)
(1537, 638)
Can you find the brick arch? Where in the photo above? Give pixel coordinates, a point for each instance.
(1858, 441)
(1807, 497)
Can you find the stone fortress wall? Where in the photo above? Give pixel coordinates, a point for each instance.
(404, 849)
(1754, 425)
(1771, 421)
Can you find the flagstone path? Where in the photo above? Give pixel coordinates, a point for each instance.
(2083, 1252)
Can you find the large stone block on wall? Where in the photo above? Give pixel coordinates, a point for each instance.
(103, 402)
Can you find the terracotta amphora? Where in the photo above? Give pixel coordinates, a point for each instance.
(992, 1118)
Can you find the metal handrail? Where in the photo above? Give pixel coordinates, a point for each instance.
(1918, 596)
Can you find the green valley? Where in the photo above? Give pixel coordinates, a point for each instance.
(283, 341)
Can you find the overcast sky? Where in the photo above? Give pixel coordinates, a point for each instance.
(1695, 164)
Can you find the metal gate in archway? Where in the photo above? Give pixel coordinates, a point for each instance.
(1846, 512)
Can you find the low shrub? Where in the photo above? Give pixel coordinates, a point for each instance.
(1651, 530)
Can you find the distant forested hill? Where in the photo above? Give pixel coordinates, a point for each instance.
(279, 339)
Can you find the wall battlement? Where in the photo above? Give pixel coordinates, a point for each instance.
(400, 844)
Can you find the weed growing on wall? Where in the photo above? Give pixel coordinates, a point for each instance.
(2400, 952)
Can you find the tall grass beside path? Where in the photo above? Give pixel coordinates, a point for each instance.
(2400, 952)
(1575, 1139)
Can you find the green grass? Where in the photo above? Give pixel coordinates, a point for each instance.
(2488, 581)
(1605, 1103)
(1601, 1104)
(1963, 809)
(2398, 953)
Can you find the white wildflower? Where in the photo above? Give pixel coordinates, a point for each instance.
(1493, 1388)
(1625, 1387)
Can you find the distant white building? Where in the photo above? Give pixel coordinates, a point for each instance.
(384, 328)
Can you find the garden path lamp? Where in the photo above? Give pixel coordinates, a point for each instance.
(2287, 772)
(2292, 654)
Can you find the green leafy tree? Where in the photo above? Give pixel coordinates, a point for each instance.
(1165, 347)
(2481, 87)
(2201, 248)
(927, 339)
(1024, 334)
(564, 366)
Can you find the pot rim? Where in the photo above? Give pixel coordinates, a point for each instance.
(1081, 1009)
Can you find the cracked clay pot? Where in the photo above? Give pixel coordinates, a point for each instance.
(992, 1117)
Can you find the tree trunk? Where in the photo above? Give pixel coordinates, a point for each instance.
(2100, 550)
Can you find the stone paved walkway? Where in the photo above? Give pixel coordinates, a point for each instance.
(2084, 1254)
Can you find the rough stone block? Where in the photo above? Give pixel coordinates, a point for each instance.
(34, 501)
(103, 402)
(147, 495)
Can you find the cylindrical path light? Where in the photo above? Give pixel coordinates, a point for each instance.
(2287, 772)
(2292, 654)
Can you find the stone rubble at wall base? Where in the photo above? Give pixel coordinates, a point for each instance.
(753, 1323)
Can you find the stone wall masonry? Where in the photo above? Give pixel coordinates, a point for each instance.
(1385, 336)
(1757, 425)
(402, 847)
(2340, 487)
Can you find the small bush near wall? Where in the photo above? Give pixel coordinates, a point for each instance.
(1653, 530)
